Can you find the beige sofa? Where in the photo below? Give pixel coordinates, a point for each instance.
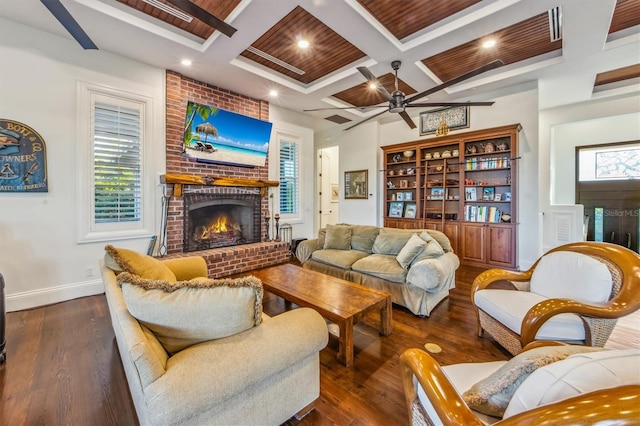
(264, 375)
(417, 267)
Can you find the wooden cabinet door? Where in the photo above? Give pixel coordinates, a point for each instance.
(500, 247)
(473, 243)
(452, 231)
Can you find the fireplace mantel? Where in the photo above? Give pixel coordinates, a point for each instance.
(178, 180)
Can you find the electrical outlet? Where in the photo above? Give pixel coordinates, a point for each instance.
(89, 271)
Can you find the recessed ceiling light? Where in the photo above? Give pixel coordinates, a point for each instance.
(186, 62)
(489, 43)
(273, 93)
(373, 86)
(303, 44)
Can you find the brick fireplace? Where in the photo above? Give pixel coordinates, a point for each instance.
(249, 252)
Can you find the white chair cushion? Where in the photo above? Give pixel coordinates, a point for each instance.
(510, 306)
(462, 377)
(570, 275)
(577, 374)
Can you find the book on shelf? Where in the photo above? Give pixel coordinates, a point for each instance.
(481, 213)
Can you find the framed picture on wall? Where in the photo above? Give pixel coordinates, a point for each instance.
(356, 184)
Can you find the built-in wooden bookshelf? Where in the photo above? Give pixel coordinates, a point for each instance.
(464, 185)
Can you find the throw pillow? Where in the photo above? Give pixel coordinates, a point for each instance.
(184, 313)
(411, 249)
(119, 259)
(440, 237)
(338, 237)
(492, 394)
(432, 250)
(390, 241)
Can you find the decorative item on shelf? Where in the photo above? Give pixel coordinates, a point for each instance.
(443, 129)
(505, 218)
(439, 168)
(415, 184)
(393, 197)
(502, 146)
(488, 147)
(488, 193)
(390, 185)
(410, 211)
(391, 172)
(396, 158)
(400, 172)
(446, 154)
(471, 149)
(427, 156)
(436, 155)
(404, 183)
(437, 193)
(408, 153)
(400, 196)
(411, 170)
(396, 209)
(267, 221)
(455, 153)
(506, 196)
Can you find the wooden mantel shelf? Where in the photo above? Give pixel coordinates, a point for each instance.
(179, 180)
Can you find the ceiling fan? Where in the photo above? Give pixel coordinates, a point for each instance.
(398, 102)
(58, 10)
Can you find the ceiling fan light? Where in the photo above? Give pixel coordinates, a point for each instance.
(488, 44)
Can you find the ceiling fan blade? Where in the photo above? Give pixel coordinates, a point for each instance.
(449, 104)
(491, 65)
(372, 79)
(69, 23)
(407, 119)
(204, 16)
(364, 108)
(365, 120)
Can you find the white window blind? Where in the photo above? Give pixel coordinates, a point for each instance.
(117, 162)
(289, 177)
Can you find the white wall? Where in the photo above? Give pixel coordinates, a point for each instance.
(40, 259)
(601, 120)
(287, 121)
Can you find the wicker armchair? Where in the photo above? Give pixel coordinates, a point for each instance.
(433, 398)
(558, 297)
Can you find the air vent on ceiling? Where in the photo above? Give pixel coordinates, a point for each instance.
(275, 60)
(555, 23)
(170, 10)
(337, 119)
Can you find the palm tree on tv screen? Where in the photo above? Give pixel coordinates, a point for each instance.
(193, 109)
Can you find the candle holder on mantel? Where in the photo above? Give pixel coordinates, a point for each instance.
(277, 218)
(267, 221)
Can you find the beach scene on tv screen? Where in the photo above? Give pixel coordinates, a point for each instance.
(215, 135)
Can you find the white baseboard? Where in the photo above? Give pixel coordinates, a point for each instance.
(47, 296)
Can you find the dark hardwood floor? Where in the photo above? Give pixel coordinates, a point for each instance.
(63, 366)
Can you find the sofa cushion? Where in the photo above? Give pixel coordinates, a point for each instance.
(411, 249)
(120, 259)
(571, 275)
(184, 313)
(340, 258)
(321, 237)
(383, 266)
(578, 374)
(492, 394)
(390, 241)
(363, 237)
(338, 237)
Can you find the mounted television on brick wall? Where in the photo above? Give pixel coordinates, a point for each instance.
(214, 135)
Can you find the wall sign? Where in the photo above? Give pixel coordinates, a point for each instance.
(23, 158)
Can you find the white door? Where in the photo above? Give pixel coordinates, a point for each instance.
(328, 186)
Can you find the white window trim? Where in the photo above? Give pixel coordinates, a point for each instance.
(86, 230)
(288, 136)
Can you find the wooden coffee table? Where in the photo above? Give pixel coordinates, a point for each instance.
(337, 300)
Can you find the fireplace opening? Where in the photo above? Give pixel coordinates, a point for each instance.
(220, 220)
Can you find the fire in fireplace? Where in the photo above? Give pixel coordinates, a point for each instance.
(220, 220)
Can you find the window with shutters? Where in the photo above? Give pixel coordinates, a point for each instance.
(289, 177)
(111, 138)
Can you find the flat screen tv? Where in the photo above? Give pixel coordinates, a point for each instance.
(214, 135)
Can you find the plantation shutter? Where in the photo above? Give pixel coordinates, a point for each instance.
(288, 177)
(116, 163)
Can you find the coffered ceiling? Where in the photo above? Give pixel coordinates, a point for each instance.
(572, 50)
